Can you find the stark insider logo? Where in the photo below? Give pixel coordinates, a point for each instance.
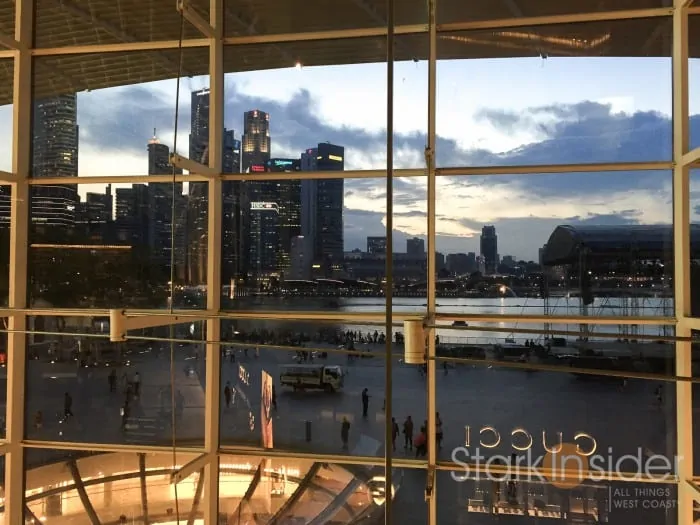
(564, 466)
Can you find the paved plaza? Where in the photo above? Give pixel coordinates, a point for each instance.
(474, 396)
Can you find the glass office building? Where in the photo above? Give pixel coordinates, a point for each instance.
(551, 383)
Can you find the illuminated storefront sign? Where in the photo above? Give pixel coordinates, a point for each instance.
(257, 168)
(264, 206)
(522, 440)
(335, 157)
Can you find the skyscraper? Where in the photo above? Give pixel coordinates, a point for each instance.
(258, 219)
(376, 245)
(133, 211)
(162, 197)
(93, 217)
(197, 207)
(322, 206)
(55, 154)
(289, 201)
(489, 248)
(256, 138)
(232, 238)
(415, 248)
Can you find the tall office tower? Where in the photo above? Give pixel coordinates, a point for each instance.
(54, 154)
(93, 216)
(300, 258)
(288, 191)
(322, 207)
(309, 192)
(166, 197)
(489, 248)
(376, 245)
(232, 200)
(196, 253)
(255, 152)
(256, 139)
(415, 248)
(133, 211)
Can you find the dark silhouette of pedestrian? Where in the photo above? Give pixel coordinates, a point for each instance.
(408, 433)
(228, 393)
(345, 432)
(67, 405)
(274, 398)
(394, 432)
(137, 385)
(365, 402)
(112, 379)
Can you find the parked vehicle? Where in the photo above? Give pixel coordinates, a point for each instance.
(312, 377)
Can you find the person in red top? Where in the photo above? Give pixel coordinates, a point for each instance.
(421, 443)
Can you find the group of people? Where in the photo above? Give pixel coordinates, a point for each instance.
(417, 442)
(420, 441)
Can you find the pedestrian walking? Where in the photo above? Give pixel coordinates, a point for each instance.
(365, 402)
(228, 393)
(345, 432)
(274, 398)
(394, 432)
(408, 433)
(67, 405)
(438, 429)
(112, 380)
(137, 384)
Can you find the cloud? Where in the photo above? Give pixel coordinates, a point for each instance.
(524, 208)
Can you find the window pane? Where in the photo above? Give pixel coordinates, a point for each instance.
(592, 244)
(78, 378)
(512, 409)
(304, 245)
(569, 105)
(120, 246)
(102, 118)
(319, 371)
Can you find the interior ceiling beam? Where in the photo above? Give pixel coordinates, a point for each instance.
(116, 32)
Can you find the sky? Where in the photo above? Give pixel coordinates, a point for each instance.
(496, 112)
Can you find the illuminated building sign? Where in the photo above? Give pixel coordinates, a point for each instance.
(264, 206)
(335, 157)
(522, 440)
(257, 167)
(283, 162)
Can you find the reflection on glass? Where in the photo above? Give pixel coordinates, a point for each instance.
(77, 379)
(536, 499)
(589, 403)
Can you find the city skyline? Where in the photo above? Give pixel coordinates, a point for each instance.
(608, 122)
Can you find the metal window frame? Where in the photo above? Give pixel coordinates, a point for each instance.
(21, 51)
